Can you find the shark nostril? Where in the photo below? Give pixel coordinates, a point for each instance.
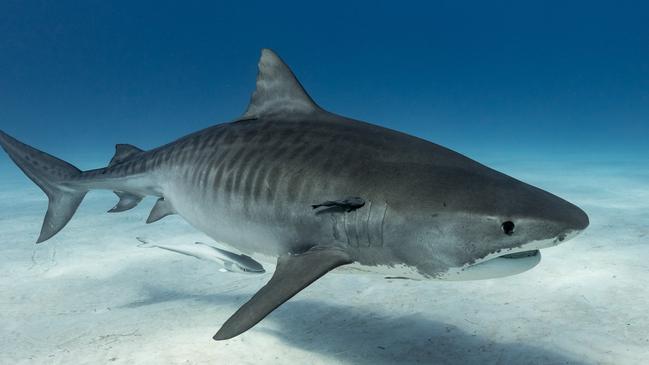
(508, 227)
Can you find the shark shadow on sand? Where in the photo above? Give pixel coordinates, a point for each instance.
(370, 336)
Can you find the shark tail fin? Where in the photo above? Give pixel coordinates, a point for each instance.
(50, 174)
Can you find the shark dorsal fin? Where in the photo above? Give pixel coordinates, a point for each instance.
(277, 91)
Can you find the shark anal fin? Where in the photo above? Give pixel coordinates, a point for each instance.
(293, 273)
(349, 204)
(161, 209)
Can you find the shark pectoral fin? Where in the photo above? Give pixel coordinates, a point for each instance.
(293, 273)
(126, 201)
(161, 209)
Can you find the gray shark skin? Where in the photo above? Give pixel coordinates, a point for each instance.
(253, 184)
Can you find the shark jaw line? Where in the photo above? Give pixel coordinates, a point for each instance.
(501, 263)
(506, 262)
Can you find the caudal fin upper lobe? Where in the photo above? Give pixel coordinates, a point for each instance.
(51, 175)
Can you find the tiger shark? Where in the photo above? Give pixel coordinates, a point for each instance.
(292, 184)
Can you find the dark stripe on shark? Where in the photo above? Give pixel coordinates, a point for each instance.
(249, 183)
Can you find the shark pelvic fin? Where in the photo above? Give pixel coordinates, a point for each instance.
(278, 91)
(126, 201)
(122, 153)
(293, 273)
(161, 209)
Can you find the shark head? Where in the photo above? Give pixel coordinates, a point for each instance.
(481, 224)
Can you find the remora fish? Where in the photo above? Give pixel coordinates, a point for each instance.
(315, 190)
(227, 260)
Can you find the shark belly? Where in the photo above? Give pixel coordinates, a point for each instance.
(267, 211)
(263, 227)
(226, 225)
(266, 237)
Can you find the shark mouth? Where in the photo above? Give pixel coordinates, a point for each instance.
(519, 255)
(496, 267)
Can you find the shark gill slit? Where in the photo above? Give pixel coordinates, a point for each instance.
(385, 212)
(358, 227)
(368, 224)
(346, 231)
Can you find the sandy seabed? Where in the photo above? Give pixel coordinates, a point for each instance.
(90, 295)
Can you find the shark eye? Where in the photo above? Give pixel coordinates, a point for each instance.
(508, 227)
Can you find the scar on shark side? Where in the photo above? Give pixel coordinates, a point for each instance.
(348, 204)
(292, 184)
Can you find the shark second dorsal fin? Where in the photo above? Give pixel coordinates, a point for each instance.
(278, 91)
(123, 152)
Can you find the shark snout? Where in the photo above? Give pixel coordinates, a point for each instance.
(568, 221)
(563, 218)
(581, 220)
(576, 220)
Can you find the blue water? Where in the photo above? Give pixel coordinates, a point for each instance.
(554, 93)
(532, 78)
